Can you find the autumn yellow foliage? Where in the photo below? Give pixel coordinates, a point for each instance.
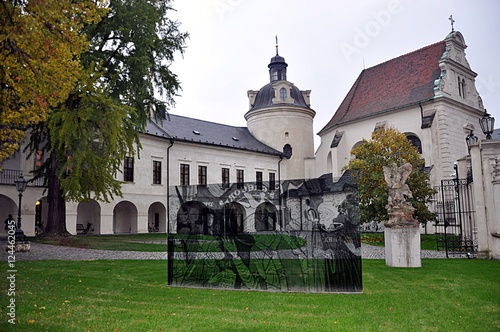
(387, 147)
(40, 47)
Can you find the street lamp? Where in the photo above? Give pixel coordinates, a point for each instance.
(487, 123)
(470, 140)
(20, 186)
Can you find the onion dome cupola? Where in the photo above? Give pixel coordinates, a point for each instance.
(280, 116)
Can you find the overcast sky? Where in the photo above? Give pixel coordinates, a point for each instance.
(326, 45)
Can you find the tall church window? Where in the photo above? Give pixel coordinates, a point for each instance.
(461, 87)
(283, 94)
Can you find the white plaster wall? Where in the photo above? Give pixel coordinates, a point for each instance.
(283, 125)
(442, 144)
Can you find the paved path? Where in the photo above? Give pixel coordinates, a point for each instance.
(48, 252)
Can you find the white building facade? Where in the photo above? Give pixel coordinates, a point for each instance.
(428, 94)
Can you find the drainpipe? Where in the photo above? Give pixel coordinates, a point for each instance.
(279, 190)
(170, 241)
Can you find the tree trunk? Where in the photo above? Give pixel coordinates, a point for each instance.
(56, 223)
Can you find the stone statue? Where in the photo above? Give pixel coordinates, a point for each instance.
(400, 211)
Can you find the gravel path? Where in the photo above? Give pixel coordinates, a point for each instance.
(49, 252)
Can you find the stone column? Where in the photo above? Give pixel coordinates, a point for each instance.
(402, 231)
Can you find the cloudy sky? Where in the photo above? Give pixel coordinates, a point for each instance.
(326, 44)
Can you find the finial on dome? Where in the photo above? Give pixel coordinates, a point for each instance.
(276, 44)
(451, 20)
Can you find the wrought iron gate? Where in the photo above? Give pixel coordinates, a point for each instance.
(456, 230)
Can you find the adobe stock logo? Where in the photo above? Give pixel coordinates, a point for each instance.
(488, 86)
(224, 6)
(362, 37)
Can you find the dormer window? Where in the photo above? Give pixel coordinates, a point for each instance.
(461, 87)
(283, 94)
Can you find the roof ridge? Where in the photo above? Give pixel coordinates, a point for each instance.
(206, 121)
(407, 54)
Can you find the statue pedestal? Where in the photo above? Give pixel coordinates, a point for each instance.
(402, 246)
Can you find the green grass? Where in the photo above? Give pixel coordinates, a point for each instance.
(139, 242)
(136, 242)
(443, 295)
(427, 241)
(151, 242)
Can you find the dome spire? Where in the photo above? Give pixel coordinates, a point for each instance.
(277, 66)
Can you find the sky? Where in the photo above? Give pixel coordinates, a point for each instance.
(326, 44)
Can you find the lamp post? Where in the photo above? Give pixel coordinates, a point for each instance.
(20, 186)
(487, 123)
(470, 140)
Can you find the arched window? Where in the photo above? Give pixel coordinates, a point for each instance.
(283, 94)
(415, 141)
(329, 162)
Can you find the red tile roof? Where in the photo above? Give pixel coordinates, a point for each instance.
(402, 81)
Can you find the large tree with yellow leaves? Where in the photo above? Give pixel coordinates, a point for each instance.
(40, 47)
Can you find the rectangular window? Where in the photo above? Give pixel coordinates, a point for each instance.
(202, 175)
(272, 181)
(240, 180)
(128, 169)
(225, 177)
(258, 180)
(184, 175)
(156, 172)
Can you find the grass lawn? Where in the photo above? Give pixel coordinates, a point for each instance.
(151, 242)
(427, 241)
(443, 295)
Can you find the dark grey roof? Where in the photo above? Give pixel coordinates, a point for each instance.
(186, 129)
(265, 97)
(495, 134)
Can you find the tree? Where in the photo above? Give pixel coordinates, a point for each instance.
(386, 147)
(40, 47)
(89, 135)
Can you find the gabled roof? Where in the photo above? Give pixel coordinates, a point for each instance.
(186, 129)
(399, 82)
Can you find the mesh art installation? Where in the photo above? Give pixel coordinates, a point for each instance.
(300, 235)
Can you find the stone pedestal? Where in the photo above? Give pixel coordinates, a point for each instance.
(402, 246)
